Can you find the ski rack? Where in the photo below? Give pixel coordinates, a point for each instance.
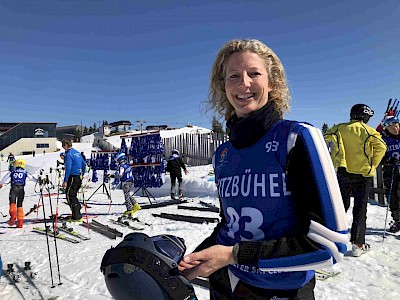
(103, 185)
(145, 191)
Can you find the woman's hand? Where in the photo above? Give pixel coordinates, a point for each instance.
(205, 262)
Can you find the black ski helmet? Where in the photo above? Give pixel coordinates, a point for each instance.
(361, 112)
(146, 268)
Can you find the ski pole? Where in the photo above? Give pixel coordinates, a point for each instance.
(58, 193)
(84, 202)
(109, 196)
(41, 192)
(388, 106)
(47, 236)
(397, 105)
(388, 200)
(54, 231)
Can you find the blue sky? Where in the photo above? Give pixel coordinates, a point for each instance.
(87, 61)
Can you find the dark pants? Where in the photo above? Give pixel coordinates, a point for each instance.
(220, 289)
(174, 177)
(73, 186)
(394, 204)
(17, 194)
(358, 186)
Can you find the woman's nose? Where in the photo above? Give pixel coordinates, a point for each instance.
(245, 80)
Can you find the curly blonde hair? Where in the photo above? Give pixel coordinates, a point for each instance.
(280, 94)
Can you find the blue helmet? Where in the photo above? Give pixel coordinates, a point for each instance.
(143, 267)
(389, 121)
(120, 156)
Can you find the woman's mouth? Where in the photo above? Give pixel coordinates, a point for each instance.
(245, 96)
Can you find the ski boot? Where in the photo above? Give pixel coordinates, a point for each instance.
(129, 213)
(29, 271)
(180, 194)
(136, 207)
(11, 273)
(172, 196)
(75, 221)
(394, 227)
(13, 214)
(20, 217)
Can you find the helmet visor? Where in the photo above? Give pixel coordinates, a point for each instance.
(391, 121)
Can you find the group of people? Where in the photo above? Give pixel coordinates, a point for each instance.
(261, 247)
(283, 195)
(357, 151)
(75, 167)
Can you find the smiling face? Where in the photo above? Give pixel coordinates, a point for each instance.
(246, 82)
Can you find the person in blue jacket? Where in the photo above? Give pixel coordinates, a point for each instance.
(75, 168)
(282, 215)
(124, 174)
(391, 163)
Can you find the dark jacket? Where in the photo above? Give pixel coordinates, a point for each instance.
(175, 165)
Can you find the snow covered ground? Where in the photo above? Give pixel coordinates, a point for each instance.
(375, 275)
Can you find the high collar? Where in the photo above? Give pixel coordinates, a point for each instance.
(244, 132)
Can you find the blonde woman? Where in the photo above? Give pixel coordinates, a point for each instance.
(281, 211)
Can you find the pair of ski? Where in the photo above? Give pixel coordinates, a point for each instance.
(186, 218)
(206, 207)
(324, 275)
(103, 229)
(124, 221)
(22, 279)
(164, 203)
(63, 228)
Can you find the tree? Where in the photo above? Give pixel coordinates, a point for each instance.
(216, 126)
(94, 127)
(85, 130)
(324, 128)
(78, 135)
(105, 122)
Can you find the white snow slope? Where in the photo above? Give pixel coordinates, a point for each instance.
(375, 275)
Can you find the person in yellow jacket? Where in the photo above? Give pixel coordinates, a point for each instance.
(356, 151)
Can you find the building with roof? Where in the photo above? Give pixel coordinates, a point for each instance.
(68, 132)
(22, 138)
